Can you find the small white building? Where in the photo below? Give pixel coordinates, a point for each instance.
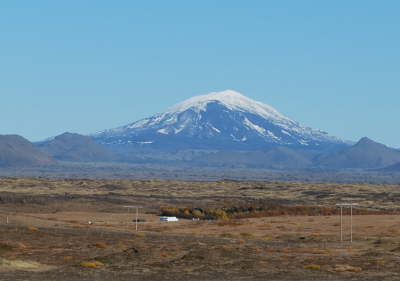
(169, 219)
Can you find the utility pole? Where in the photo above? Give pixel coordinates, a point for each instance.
(136, 220)
(341, 205)
(351, 223)
(137, 214)
(341, 224)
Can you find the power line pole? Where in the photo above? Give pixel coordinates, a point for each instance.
(136, 220)
(341, 224)
(351, 223)
(342, 205)
(137, 215)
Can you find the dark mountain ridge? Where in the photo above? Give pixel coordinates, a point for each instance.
(76, 148)
(16, 151)
(365, 154)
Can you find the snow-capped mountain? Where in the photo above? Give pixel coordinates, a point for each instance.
(219, 120)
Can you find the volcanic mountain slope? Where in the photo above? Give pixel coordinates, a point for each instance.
(224, 120)
(364, 154)
(16, 151)
(76, 148)
(392, 168)
(274, 158)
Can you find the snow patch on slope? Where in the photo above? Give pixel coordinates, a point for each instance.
(215, 129)
(272, 135)
(138, 124)
(255, 127)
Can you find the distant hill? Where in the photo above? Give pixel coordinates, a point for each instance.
(76, 148)
(391, 168)
(274, 158)
(365, 154)
(16, 151)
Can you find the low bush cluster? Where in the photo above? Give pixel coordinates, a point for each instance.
(140, 235)
(189, 213)
(101, 245)
(255, 209)
(312, 266)
(341, 268)
(247, 234)
(92, 264)
(32, 228)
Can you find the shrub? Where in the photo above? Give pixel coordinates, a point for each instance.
(140, 235)
(92, 264)
(101, 245)
(219, 214)
(267, 237)
(321, 252)
(22, 246)
(227, 235)
(197, 213)
(187, 213)
(32, 228)
(246, 234)
(18, 264)
(341, 268)
(394, 230)
(121, 245)
(312, 266)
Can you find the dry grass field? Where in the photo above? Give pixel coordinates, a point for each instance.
(45, 234)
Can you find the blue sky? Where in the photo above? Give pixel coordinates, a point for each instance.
(84, 66)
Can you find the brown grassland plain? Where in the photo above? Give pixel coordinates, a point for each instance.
(45, 234)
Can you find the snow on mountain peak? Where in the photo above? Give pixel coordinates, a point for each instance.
(231, 99)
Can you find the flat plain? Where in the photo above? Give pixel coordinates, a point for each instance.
(81, 229)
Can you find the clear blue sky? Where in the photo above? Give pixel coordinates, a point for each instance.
(84, 66)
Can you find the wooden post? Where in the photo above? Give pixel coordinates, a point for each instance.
(341, 224)
(351, 223)
(137, 211)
